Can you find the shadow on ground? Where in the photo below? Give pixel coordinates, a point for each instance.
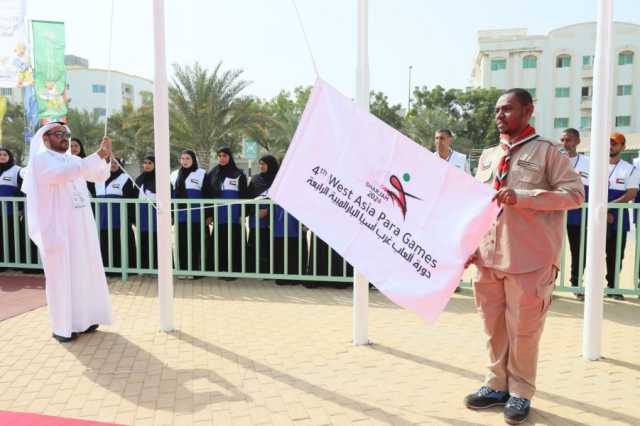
(122, 378)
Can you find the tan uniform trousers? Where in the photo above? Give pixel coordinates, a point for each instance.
(513, 308)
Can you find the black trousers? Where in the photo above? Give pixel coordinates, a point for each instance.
(253, 242)
(611, 254)
(146, 249)
(8, 253)
(226, 233)
(183, 246)
(573, 232)
(24, 239)
(321, 251)
(293, 256)
(117, 253)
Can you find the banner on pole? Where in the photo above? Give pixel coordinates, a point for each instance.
(3, 110)
(13, 45)
(50, 71)
(403, 217)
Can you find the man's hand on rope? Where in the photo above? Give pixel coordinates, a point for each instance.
(105, 147)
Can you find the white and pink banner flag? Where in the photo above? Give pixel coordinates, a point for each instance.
(404, 218)
(14, 55)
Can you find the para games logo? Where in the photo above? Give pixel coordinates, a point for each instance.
(399, 196)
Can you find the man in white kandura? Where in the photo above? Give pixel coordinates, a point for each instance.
(62, 226)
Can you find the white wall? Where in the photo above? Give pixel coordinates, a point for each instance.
(82, 96)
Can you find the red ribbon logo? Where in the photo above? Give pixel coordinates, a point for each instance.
(399, 199)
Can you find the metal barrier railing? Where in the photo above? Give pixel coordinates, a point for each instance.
(218, 239)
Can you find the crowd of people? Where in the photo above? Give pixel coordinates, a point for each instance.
(517, 260)
(306, 254)
(221, 227)
(623, 186)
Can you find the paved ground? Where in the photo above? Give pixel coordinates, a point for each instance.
(20, 293)
(250, 352)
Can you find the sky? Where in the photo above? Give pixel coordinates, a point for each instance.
(264, 39)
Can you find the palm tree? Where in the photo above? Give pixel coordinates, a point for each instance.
(284, 112)
(209, 111)
(132, 131)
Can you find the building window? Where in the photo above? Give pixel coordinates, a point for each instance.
(563, 61)
(6, 91)
(562, 92)
(127, 89)
(561, 122)
(625, 58)
(532, 121)
(585, 122)
(532, 92)
(587, 61)
(100, 112)
(99, 88)
(586, 92)
(529, 61)
(624, 89)
(498, 64)
(623, 121)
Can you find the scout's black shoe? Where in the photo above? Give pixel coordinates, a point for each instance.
(486, 397)
(92, 328)
(517, 410)
(63, 339)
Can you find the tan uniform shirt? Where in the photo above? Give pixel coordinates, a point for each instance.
(528, 235)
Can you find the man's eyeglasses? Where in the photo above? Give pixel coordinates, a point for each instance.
(60, 134)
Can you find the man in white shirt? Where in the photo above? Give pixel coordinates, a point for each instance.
(443, 139)
(623, 187)
(61, 224)
(570, 138)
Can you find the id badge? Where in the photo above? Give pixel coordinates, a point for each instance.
(78, 200)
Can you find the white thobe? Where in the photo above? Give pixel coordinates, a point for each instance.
(76, 286)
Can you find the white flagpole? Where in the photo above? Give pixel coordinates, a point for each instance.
(598, 183)
(161, 140)
(360, 283)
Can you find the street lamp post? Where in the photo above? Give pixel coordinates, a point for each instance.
(409, 96)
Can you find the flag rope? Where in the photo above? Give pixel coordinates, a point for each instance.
(306, 39)
(108, 105)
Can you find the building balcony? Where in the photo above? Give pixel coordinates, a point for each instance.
(587, 71)
(585, 102)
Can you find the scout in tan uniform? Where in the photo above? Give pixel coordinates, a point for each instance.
(518, 259)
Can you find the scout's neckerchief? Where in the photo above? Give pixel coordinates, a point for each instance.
(510, 145)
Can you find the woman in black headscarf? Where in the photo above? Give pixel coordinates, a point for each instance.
(117, 186)
(226, 181)
(259, 185)
(147, 216)
(10, 184)
(186, 183)
(77, 149)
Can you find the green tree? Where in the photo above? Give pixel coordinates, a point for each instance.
(13, 132)
(422, 125)
(283, 114)
(390, 114)
(132, 131)
(469, 114)
(208, 110)
(86, 126)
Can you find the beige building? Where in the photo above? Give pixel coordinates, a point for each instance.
(557, 68)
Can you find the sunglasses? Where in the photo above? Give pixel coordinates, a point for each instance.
(59, 134)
